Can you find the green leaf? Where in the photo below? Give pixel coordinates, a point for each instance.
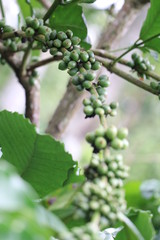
(151, 25)
(71, 17)
(21, 217)
(133, 195)
(39, 159)
(25, 7)
(137, 226)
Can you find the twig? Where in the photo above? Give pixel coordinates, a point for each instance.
(103, 53)
(51, 9)
(43, 62)
(126, 76)
(2, 9)
(134, 46)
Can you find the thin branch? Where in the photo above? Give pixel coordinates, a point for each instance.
(43, 62)
(2, 9)
(126, 76)
(134, 46)
(103, 53)
(25, 59)
(51, 9)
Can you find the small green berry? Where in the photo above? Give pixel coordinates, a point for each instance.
(66, 59)
(75, 81)
(79, 88)
(67, 43)
(75, 40)
(86, 102)
(87, 84)
(61, 36)
(96, 65)
(30, 32)
(35, 24)
(88, 110)
(62, 66)
(29, 21)
(74, 55)
(100, 143)
(69, 33)
(84, 56)
(111, 132)
(73, 71)
(53, 35)
(53, 51)
(122, 133)
(87, 65)
(72, 64)
(57, 43)
(90, 137)
(99, 111)
(117, 144)
(89, 76)
(114, 105)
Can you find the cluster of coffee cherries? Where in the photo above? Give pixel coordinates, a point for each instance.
(103, 191)
(86, 232)
(97, 106)
(11, 43)
(140, 65)
(111, 137)
(155, 86)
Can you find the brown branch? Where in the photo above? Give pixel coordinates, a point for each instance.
(126, 76)
(64, 112)
(105, 54)
(43, 62)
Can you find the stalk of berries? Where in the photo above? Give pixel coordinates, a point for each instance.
(140, 65)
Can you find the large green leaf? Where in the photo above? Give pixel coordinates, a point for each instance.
(21, 217)
(25, 7)
(151, 25)
(39, 159)
(137, 226)
(71, 17)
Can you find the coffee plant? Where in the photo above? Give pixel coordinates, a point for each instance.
(43, 193)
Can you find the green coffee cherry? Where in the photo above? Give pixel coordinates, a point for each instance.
(44, 49)
(122, 133)
(114, 105)
(61, 36)
(79, 88)
(8, 28)
(90, 137)
(89, 76)
(103, 81)
(74, 55)
(111, 132)
(30, 32)
(75, 81)
(35, 24)
(42, 30)
(154, 85)
(107, 109)
(97, 103)
(53, 35)
(66, 59)
(86, 102)
(87, 85)
(72, 64)
(67, 43)
(57, 43)
(90, 53)
(84, 56)
(99, 132)
(100, 143)
(101, 91)
(96, 65)
(62, 66)
(53, 51)
(99, 111)
(69, 33)
(88, 110)
(29, 21)
(75, 40)
(117, 144)
(73, 71)
(87, 65)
